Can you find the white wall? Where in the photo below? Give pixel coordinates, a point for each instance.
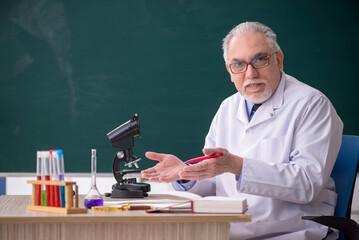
(16, 183)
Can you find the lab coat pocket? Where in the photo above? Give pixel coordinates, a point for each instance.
(272, 150)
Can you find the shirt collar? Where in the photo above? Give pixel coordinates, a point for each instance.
(249, 106)
(275, 102)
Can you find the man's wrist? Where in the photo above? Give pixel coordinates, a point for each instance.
(237, 164)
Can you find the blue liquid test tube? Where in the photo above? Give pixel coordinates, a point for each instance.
(61, 169)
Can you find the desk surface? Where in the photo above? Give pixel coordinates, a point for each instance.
(13, 210)
(18, 223)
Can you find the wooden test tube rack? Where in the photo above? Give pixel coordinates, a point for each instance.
(71, 206)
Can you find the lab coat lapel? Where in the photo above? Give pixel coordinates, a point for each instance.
(267, 109)
(242, 111)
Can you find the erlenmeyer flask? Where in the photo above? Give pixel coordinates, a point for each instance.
(93, 197)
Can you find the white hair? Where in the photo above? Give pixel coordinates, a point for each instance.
(251, 27)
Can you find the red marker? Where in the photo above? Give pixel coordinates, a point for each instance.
(193, 160)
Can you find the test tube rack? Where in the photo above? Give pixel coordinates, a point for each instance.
(71, 205)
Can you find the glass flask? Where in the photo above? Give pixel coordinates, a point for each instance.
(93, 197)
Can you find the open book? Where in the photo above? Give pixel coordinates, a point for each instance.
(157, 199)
(181, 201)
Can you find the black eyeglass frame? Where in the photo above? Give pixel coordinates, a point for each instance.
(251, 63)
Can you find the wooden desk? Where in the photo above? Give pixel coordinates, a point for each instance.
(17, 223)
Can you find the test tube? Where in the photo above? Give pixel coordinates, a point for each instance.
(46, 176)
(43, 187)
(61, 169)
(55, 190)
(38, 176)
(56, 177)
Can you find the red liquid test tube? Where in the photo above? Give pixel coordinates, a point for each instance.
(38, 177)
(54, 172)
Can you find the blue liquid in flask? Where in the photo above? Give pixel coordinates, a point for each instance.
(89, 203)
(93, 197)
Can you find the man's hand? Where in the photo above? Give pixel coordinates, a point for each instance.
(166, 170)
(214, 166)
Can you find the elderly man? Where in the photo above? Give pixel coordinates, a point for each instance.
(279, 138)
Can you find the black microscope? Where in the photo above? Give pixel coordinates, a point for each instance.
(122, 137)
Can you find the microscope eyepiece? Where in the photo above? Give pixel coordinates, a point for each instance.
(122, 136)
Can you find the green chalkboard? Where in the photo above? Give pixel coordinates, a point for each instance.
(71, 71)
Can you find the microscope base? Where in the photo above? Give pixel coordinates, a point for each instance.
(117, 193)
(130, 190)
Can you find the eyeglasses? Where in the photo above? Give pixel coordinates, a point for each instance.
(256, 63)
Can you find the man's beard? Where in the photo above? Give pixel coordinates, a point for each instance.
(257, 98)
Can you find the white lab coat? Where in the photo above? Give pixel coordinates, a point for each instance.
(289, 149)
